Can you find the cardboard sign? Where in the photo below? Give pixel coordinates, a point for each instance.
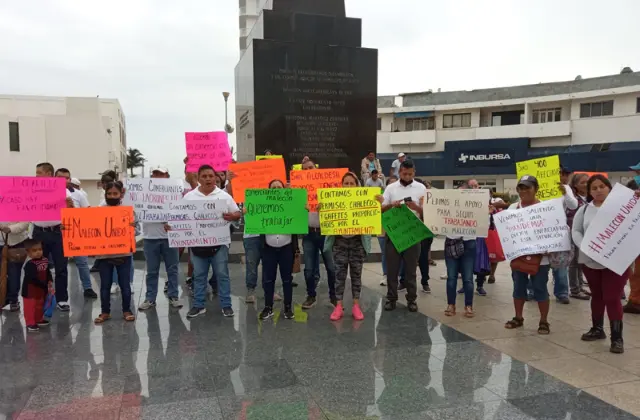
(457, 212)
(196, 223)
(313, 179)
(98, 231)
(535, 229)
(208, 149)
(276, 211)
(255, 175)
(403, 228)
(31, 199)
(151, 197)
(611, 239)
(547, 171)
(263, 157)
(350, 211)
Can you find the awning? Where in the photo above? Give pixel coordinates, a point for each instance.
(420, 114)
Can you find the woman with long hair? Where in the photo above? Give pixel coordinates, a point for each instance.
(576, 281)
(606, 286)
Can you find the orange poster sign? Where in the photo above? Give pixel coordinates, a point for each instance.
(98, 231)
(590, 174)
(313, 179)
(255, 175)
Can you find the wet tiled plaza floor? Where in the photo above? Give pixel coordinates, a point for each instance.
(392, 365)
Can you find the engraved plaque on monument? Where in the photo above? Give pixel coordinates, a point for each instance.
(306, 87)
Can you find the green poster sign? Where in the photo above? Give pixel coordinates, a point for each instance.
(404, 228)
(276, 211)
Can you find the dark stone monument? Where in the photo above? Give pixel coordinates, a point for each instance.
(306, 87)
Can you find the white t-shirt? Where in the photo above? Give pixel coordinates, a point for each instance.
(53, 222)
(397, 191)
(153, 231)
(277, 241)
(395, 166)
(79, 199)
(377, 183)
(216, 194)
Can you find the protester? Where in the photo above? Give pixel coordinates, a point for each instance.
(405, 192)
(120, 263)
(460, 258)
(156, 247)
(395, 165)
(527, 188)
(561, 274)
(278, 251)
(374, 180)
(606, 286)
(49, 235)
(75, 183)
(14, 235)
(349, 254)
(216, 257)
(190, 182)
(423, 260)
(82, 263)
(268, 152)
(633, 305)
(496, 204)
(369, 164)
(105, 177)
(382, 239)
(36, 283)
(313, 246)
(576, 280)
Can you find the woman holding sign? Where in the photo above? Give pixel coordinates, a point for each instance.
(606, 286)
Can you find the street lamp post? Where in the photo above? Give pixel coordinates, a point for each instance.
(227, 127)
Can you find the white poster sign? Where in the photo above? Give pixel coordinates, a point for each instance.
(612, 234)
(457, 212)
(196, 223)
(151, 197)
(535, 229)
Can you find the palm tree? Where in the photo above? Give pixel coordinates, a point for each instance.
(135, 159)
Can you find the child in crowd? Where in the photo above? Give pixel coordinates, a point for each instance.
(120, 263)
(37, 280)
(349, 253)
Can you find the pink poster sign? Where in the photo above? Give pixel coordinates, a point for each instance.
(31, 199)
(208, 149)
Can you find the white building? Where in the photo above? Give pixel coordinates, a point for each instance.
(249, 12)
(593, 124)
(85, 135)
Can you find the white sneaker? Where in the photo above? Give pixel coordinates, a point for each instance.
(63, 306)
(115, 289)
(175, 302)
(146, 305)
(384, 281)
(443, 276)
(277, 297)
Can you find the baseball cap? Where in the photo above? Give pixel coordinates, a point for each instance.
(75, 181)
(565, 170)
(635, 167)
(160, 169)
(400, 154)
(528, 181)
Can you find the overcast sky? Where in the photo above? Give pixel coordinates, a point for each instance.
(168, 62)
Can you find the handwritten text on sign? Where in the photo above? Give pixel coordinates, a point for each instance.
(276, 211)
(31, 199)
(208, 149)
(313, 179)
(196, 223)
(457, 212)
(612, 237)
(349, 211)
(255, 175)
(150, 197)
(535, 229)
(403, 228)
(98, 231)
(547, 171)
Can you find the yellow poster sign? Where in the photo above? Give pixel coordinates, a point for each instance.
(263, 157)
(349, 211)
(547, 171)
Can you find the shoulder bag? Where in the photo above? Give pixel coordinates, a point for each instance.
(15, 254)
(528, 264)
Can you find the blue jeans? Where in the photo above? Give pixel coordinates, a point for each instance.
(381, 241)
(313, 246)
(561, 282)
(114, 279)
(14, 274)
(464, 266)
(154, 250)
(106, 275)
(51, 239)
(219, 263)
(252, 254)
(423, 261)
(537, 283)
(82, 264)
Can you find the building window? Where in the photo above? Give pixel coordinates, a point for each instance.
(540, 116)
(638, 105)
(419, 124)
(596, 109)
(379, 124)
(14, 137)
(456, 120)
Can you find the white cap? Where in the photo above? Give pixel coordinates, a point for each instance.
(160, 169)
(400, 154)
(75, 181)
